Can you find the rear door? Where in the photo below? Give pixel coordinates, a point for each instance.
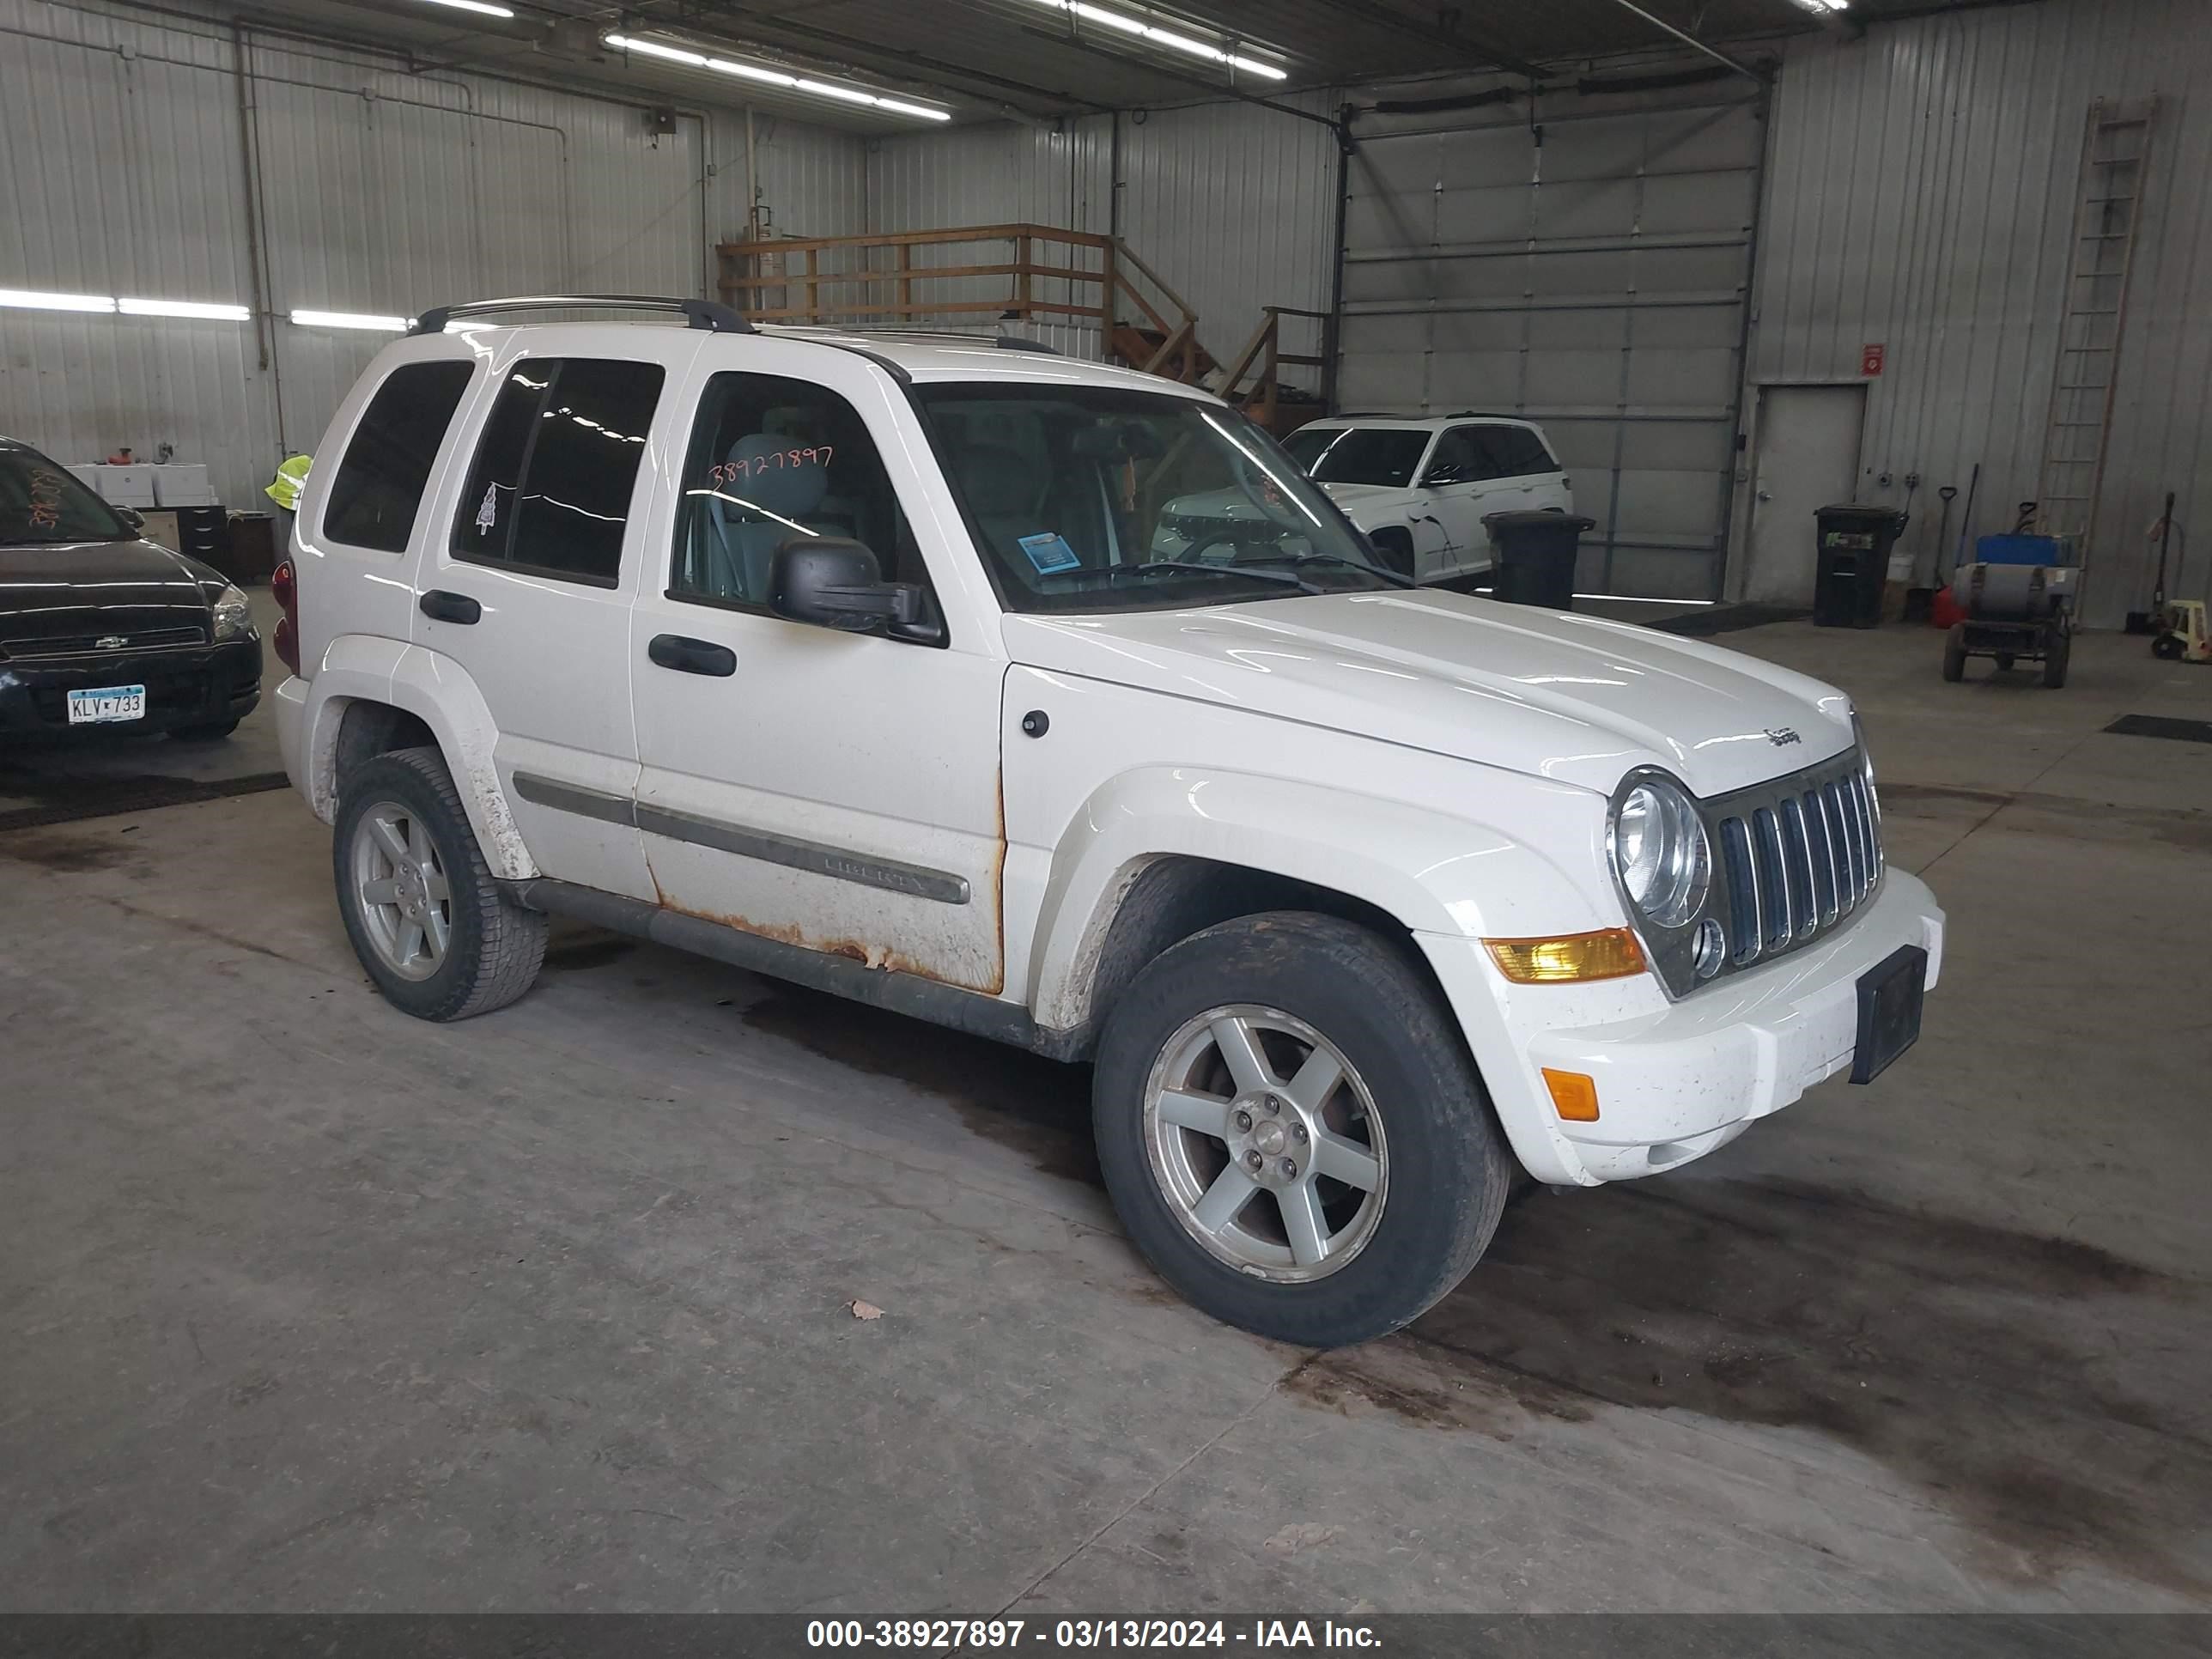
(527, 590)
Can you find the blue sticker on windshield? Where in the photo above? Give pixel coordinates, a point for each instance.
(1050, 553)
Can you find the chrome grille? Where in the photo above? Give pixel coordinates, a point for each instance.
(85, 645)
(1798, 856)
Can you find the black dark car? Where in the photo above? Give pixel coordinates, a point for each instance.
(101, 630)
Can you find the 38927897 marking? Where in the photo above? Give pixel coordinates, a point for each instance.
(929, 1633)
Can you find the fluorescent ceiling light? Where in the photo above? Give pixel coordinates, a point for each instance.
(654, 49)
(752, 72)
(29, 300)
(1822, 7)
(691, 59)
(1137, 29)
(200, 308)
(823, 89)
(349, 320)
(480, 6)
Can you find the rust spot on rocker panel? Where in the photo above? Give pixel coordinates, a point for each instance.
(860, 951)
(869, 956)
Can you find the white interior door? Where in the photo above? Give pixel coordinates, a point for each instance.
(1808, 459)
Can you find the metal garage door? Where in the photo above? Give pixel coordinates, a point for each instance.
(1590, 272)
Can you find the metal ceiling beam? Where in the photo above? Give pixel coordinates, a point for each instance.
(1484, 54)
(1689, 40)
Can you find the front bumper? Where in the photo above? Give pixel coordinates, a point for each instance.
(1674, 1080)
(197, 685)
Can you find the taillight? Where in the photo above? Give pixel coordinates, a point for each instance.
(285, 588)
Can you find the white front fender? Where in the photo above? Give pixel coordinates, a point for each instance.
(1435, 872)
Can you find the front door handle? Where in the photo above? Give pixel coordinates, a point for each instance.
(441, 606)
(689, 656)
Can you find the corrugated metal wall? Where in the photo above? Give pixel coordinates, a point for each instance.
(1919, 196)
(376, 190)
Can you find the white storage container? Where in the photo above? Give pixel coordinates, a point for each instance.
(125, 486)
(181, 483)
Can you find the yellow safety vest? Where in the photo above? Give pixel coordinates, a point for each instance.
(291, 479)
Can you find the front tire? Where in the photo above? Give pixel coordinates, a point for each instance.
(424, 915)
(1954, 653)
(1293, 1133)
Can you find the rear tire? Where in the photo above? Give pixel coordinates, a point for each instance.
(1263, 1009)
(425, 917)
(1954, 653)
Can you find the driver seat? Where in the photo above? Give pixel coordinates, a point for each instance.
(776, 484)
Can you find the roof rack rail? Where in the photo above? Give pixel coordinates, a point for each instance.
(696, 313)
(929, 335)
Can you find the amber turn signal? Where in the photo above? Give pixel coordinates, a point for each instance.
(1574, 1095)
(1611, 954)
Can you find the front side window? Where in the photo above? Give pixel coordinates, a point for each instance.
(773, 460)
(1095, 499)
(555, 469)
(379, 482)
(1360, 454)
(42, 501)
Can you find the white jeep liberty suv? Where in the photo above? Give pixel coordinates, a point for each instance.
(867, 662)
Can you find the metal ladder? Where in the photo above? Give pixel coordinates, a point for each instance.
(2107, 208)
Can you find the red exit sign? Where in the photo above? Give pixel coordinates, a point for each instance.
(1871, 358)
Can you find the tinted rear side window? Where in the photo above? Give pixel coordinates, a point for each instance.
(379, 482)
(1530, 455)
(550, 489)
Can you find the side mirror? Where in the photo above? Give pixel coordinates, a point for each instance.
(131, 516)
(830, 582)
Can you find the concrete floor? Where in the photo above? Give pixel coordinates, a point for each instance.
(314, 1307)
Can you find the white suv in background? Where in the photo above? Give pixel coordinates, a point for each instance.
(870, 662)
(1420, 488)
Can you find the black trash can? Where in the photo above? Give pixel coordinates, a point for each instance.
(1852, 562)
(1535, 553)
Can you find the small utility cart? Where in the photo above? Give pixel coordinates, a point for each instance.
(2016, 602)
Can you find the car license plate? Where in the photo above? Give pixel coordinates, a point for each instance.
(1890, 998)
(106, 705)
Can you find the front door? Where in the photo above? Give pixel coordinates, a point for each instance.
(527, 593)
(836, 791)
(1808, 459)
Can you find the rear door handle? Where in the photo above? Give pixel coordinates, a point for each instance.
(689, 656)
(441, 606)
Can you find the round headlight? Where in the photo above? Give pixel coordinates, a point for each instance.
(1660, 848)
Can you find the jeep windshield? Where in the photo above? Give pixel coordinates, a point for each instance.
(1360, 454)
(1086, 498)
(42, 503)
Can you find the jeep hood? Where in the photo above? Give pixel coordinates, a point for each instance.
(1575, 698)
